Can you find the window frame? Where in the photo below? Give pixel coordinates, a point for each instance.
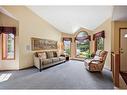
(5, 58)
(96, 48)
(69, 46)
(76, 49)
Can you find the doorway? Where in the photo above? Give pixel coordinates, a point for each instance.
(123, 49)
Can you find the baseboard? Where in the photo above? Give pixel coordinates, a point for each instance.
(77, 59)
(9, 70)
(17, 69)
(26, 67)
(107, 68)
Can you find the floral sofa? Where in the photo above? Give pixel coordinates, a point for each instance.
(47, 58)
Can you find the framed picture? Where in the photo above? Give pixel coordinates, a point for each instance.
(43, 44)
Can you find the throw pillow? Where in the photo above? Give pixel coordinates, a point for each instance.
(50, 54)
(42, 55)
(55, 54)
(97, 58)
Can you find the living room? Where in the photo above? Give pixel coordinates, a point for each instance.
(29, 25)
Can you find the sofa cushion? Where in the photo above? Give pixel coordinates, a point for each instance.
(87, 61)
(55, 59)
(49, 54)
(42, 55)
(62, 58)
(55, 54)
(97, 58)
(102, 54)
(47, 61)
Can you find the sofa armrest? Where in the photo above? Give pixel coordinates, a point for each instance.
(37, 62)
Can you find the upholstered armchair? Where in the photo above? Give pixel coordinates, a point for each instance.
(97, 62)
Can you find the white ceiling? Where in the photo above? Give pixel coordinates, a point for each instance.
(69, 19)
(119, 13)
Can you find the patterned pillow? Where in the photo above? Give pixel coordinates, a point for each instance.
(50, 54)
(55, 54)
(42, 55)
(97, 58)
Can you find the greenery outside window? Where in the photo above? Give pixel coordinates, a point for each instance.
(8, 46)
(83, 48)
(67, 47)
(100, 43)
(83, 45)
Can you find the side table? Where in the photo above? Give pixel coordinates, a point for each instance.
(67, 58)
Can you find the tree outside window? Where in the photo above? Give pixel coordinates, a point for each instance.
(67, 47)
(8, 46)
(100, 43)
(83, 45)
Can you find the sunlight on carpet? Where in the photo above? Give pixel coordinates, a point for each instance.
(5, 77)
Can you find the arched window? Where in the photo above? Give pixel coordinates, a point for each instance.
(83, 44)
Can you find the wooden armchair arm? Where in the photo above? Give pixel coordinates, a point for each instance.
(95, 61)
(98, 62)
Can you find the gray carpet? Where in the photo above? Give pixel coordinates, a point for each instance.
(69, 75)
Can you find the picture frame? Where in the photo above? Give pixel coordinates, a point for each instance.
(43, 44)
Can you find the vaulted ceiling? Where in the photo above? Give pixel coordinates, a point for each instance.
(69, 19)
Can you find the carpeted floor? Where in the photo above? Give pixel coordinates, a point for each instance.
(69, 75)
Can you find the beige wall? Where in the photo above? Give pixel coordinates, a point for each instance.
(30, 25)
(9, 64)
(112, 36)
(106, 26)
